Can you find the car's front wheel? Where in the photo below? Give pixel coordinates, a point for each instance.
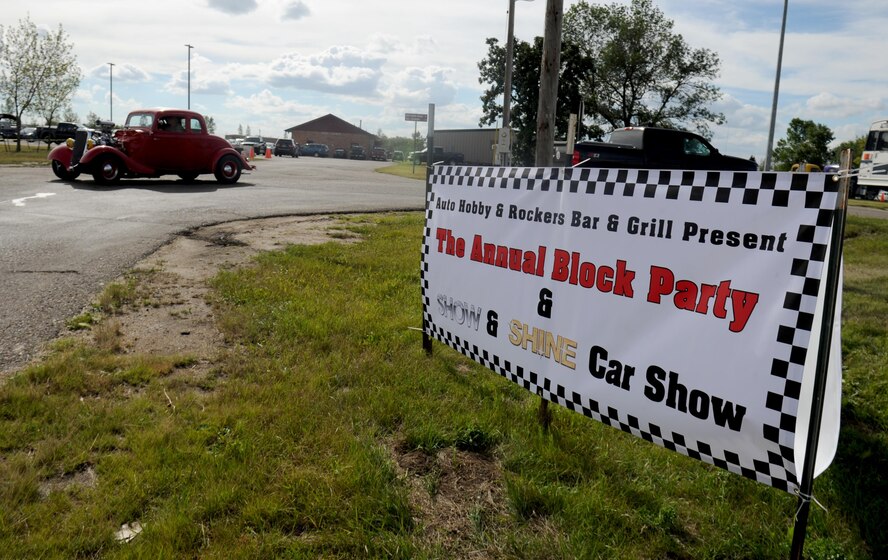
(107, 170)
(228, 170)
(62, 173)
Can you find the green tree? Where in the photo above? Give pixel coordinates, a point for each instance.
(856, 146)
(70, 115)
(644, 73)
(38, 71)
(526, 91)
(91, 118)
(211, 124)
(805, 142)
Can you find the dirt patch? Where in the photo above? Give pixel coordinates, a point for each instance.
(457, 497)
(84, 477)
(174, 316)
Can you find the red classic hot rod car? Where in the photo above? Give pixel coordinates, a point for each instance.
(153, 142)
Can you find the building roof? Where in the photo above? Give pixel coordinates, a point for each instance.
(329, 123)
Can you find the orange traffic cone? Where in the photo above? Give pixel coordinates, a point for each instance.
(267, 153)
(252, 154)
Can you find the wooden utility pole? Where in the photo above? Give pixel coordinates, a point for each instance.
(549, 68)
(550, 65)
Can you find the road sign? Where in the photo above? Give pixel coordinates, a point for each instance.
(416, 117)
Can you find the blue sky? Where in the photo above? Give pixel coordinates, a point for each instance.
(273, 64)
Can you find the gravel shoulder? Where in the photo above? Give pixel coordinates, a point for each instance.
(174, 280)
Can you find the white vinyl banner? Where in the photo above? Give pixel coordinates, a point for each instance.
(677, 306)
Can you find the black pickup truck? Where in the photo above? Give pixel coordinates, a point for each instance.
(656, 148)
(441, 156)
(58, 134)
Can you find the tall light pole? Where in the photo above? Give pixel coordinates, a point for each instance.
(767, 166)
(189, 74)
(111, 91)
(507, 80)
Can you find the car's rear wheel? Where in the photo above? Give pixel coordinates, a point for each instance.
(62, 172)
(228, 170)
(107, 170)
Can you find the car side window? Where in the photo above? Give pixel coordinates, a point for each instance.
(693, 147)
(194, 126)
(171, 124)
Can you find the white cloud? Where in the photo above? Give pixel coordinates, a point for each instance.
(235, 7)
(339, 69)
(413, 86)
(296, 10)
(120, 73)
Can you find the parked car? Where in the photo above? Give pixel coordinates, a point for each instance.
(340, 153)
(8, 125)
(440, 156)
(59, 133)
(656, 148)
(29, 134)
(398, 155)
(378, 154)
(285, 147)
(257, 143)
(152, 143)
(315, 150)
(357, 152)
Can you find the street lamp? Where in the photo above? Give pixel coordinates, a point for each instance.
(189, 74)
(767, 166)
(507, 81)
(111, 91)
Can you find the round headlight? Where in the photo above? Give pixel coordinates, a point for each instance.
(69, 142)
(90, 144)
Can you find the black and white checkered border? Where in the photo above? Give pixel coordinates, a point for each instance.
(817, 193)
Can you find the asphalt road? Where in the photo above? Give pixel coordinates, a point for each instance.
(60, 243)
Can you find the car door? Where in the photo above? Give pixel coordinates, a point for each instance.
(170, 144)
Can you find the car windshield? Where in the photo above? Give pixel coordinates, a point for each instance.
(252, 139)
(137, 120)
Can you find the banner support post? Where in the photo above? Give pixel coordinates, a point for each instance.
(833, 271)
(430, 150)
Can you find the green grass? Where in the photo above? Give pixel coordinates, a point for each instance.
(31, 153)
(405, 169)
(296, 445)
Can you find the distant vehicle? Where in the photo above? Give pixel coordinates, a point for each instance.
(656, 148)
(314, 150)
(285, 147)
(29, 134)
(440, 156)
(257, 143)
(152, 143)
(397, 155)
(873, 175)
(378, 154)
(58, 133)
(357, 152)
(8, 125)
(340, 153)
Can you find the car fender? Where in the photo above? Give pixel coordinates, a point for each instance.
(61, 154)
(247, 166)
(132, 165)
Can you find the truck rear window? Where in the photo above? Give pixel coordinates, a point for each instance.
(627, 138)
